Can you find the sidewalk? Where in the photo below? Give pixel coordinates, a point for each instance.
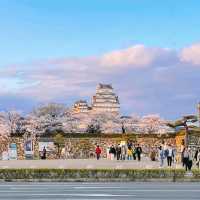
(83, 164)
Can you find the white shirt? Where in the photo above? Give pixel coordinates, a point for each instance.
(170, 152)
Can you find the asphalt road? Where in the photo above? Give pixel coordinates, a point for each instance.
(96, 191)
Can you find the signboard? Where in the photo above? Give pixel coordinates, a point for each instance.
(28, 148)
(12, 151)
(5, 155)
(49, 146)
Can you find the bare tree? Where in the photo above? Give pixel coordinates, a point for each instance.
(184, 122)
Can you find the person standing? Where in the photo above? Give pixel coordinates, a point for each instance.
(108, 153)
(129, 153)
(169, 155)
(112, 152)
(44, 151)
(118, 152)
(123, 152)
(185, 158)
(134, 152)
(138, 152)
(182, 151)
(98, 152)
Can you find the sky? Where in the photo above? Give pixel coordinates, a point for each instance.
(59, 50)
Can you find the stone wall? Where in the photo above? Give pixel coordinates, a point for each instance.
(85, 147)
(4, 141)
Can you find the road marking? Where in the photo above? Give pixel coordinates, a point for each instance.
(137, 190)
(96, 187)
(72, 194)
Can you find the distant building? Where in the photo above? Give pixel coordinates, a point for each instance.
(80, 106)
(105, 100)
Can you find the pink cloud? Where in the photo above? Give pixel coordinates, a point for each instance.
(191, 54)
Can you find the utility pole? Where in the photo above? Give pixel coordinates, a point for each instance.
(198, 108)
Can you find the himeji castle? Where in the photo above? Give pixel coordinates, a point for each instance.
(105, 100)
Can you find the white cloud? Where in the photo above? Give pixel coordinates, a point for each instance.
(137, 56)
(191, 54)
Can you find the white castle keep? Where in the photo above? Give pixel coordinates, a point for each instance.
(105, 100)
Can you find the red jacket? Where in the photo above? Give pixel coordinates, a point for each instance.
(98, 150)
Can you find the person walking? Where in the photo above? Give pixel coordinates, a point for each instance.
(98, 152)
(174, 156)
(138, 152)
(190, 159)
(118, 152)
(197, 157)
(169, 155)
(161, 155)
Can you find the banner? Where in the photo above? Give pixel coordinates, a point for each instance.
(12, 151)
(49, 146)
(28, 149)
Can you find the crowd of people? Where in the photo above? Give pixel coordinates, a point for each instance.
(190, 157)
(166, 154)
(122, 152)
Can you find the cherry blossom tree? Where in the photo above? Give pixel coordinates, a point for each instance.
(4, 126)
(153, 124)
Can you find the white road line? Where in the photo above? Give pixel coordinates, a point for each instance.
(96, 187)
(119, 190)
(72, 194)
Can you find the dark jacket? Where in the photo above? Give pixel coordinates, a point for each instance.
(138, 150)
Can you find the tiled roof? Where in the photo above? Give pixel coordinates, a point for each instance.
(104, 86)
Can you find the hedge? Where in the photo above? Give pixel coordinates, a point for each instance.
(97, 175)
